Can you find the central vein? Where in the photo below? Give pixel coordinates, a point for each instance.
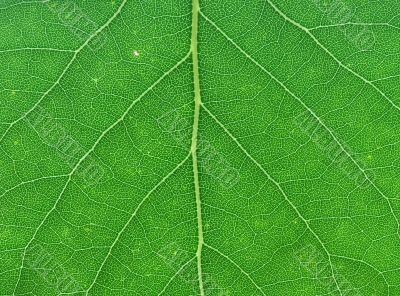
(197, 100)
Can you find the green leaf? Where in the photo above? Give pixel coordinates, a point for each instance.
(205, 147)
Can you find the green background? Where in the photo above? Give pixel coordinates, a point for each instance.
(261, 64)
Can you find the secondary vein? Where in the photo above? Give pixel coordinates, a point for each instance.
(197, 103)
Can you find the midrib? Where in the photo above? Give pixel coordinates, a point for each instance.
(197, 103)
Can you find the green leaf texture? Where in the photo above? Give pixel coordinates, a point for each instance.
(205, 147)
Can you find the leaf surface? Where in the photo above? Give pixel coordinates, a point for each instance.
(213, 147)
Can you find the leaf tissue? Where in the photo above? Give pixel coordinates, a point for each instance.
(200, 147)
